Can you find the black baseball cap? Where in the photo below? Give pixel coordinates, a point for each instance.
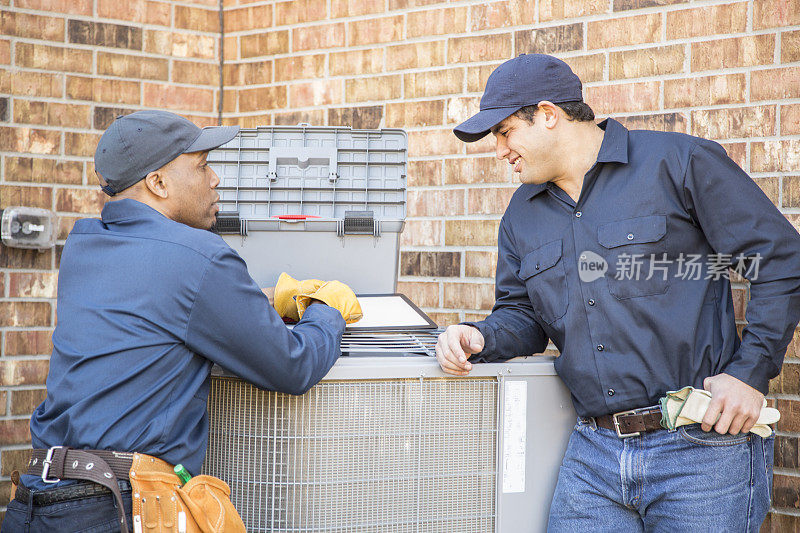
(525, 80)
(137, 144)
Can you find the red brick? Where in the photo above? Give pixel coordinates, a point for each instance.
(775, 84)
(300, 67)
(364, 117)
(646, 62)
(558, 9)
(262, 98)
(771, 186)
(134, 66)
(549, 40)
(179, 44)
(775, 156)
(502, 14)
(791, 191)
(489, 201)
(430, 264)
(486, 145)
(709, 90)
(317, 92)
(318, 37)
(476, 170)
(422, 233)
(790, 46)
(710, 20)
(414, 114)
(52, 114)
(730, 53)
(483, 48)
(751, 121)
(790, 415)
(264, 44)
(251, 73)
(624, 97)
(480, 264)
(5, 51)
(377, 88)
(80, 144)
(369, 61)
(14, 460)
(157, 13)
(248, 18)
(15, 431)
(434, 203)
(738, 152)
(196, 19)
(432, 142)
(73, 7)
(624, 31)
(436, 22)
(790, 119)
(195, 73)
(34, 55)
(443, 319)
(29, 140)
(100, 90)
(421, 173)
(88, 201)
(402, 4)
(471, 232)
(308, 116)
(40, 170)
(23, 314)
(415, 55)
(375, 30)
(433, 83)
(458, 109)
(23, 402)
(659, 122)
(24, 258)
(423, 294)
(31, 83)
(353, 8)
(14, 24)
(468, 296)
(775, 13)
(298, 11)
(622, 5)
(104, 34)
(174, 98)
(231, 46)
(477, 77)
(25, 195)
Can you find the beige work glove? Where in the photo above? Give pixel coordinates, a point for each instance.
(285, 291)
(335, 294)
(689, 406)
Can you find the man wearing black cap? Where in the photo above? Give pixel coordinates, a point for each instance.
(617, 247)
(148, 300)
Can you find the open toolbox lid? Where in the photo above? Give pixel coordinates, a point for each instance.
(324, 178)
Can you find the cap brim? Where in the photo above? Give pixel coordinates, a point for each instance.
(477, 126)
(212, 137)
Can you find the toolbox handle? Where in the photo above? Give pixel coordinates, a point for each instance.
(303, 157)
(294, 218)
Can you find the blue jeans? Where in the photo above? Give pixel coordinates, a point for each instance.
(684, 480)
(97, 514)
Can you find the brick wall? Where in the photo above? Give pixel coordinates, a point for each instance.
(722, 69)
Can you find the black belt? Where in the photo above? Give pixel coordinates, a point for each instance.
(99, 466)
(78, 491)
(632, 423)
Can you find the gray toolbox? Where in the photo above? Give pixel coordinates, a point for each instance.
(314, 201)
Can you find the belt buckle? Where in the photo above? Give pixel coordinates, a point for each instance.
(614, 418)
(46, 466)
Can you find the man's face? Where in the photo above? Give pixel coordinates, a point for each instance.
(529, 148)
(192, 196)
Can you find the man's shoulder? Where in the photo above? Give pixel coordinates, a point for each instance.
(203, 242)
(667, 141)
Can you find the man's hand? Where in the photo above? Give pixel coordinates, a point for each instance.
(455, 346)
(739, 405)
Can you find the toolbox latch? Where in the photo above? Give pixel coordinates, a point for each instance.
(360, 223)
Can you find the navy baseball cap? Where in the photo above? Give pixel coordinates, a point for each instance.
(137, 144)
(525, 80)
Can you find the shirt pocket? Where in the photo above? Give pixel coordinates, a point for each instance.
(636, 252)
(546, 281)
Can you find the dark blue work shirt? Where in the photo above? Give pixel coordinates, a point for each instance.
(146, 305)
(656, 203)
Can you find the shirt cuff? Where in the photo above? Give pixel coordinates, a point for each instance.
(322, 311)
(489, 342)
(756, 371)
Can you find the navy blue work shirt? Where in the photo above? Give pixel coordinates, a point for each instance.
(146, 305)
(656, 203)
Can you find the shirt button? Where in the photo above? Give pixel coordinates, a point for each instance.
(630, 236)
(537, 266)
(591, 301)
(600, 347)
(578, 214)
(611, 392)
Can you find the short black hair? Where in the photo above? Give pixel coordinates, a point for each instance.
(579, 111)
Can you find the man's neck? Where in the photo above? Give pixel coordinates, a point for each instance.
(580, 151)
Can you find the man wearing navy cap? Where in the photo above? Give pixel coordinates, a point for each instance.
(617, 247)
(148, 300)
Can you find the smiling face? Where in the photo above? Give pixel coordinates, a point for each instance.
(530, 148)
(191, 183)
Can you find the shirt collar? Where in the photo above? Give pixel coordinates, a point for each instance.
(613, 149)
(127, 208)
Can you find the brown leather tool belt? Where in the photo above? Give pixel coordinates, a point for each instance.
(632, 423)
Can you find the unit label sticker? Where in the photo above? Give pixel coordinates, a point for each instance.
(514, 435)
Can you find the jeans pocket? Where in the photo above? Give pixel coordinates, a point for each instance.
(694, 434)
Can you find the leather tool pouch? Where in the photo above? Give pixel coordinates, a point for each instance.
(161, 505)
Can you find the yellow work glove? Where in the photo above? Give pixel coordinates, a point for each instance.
(689, 406)
(335, 294)
(285, 291)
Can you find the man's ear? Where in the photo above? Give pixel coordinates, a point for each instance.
(156, 184)
(549, 113)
